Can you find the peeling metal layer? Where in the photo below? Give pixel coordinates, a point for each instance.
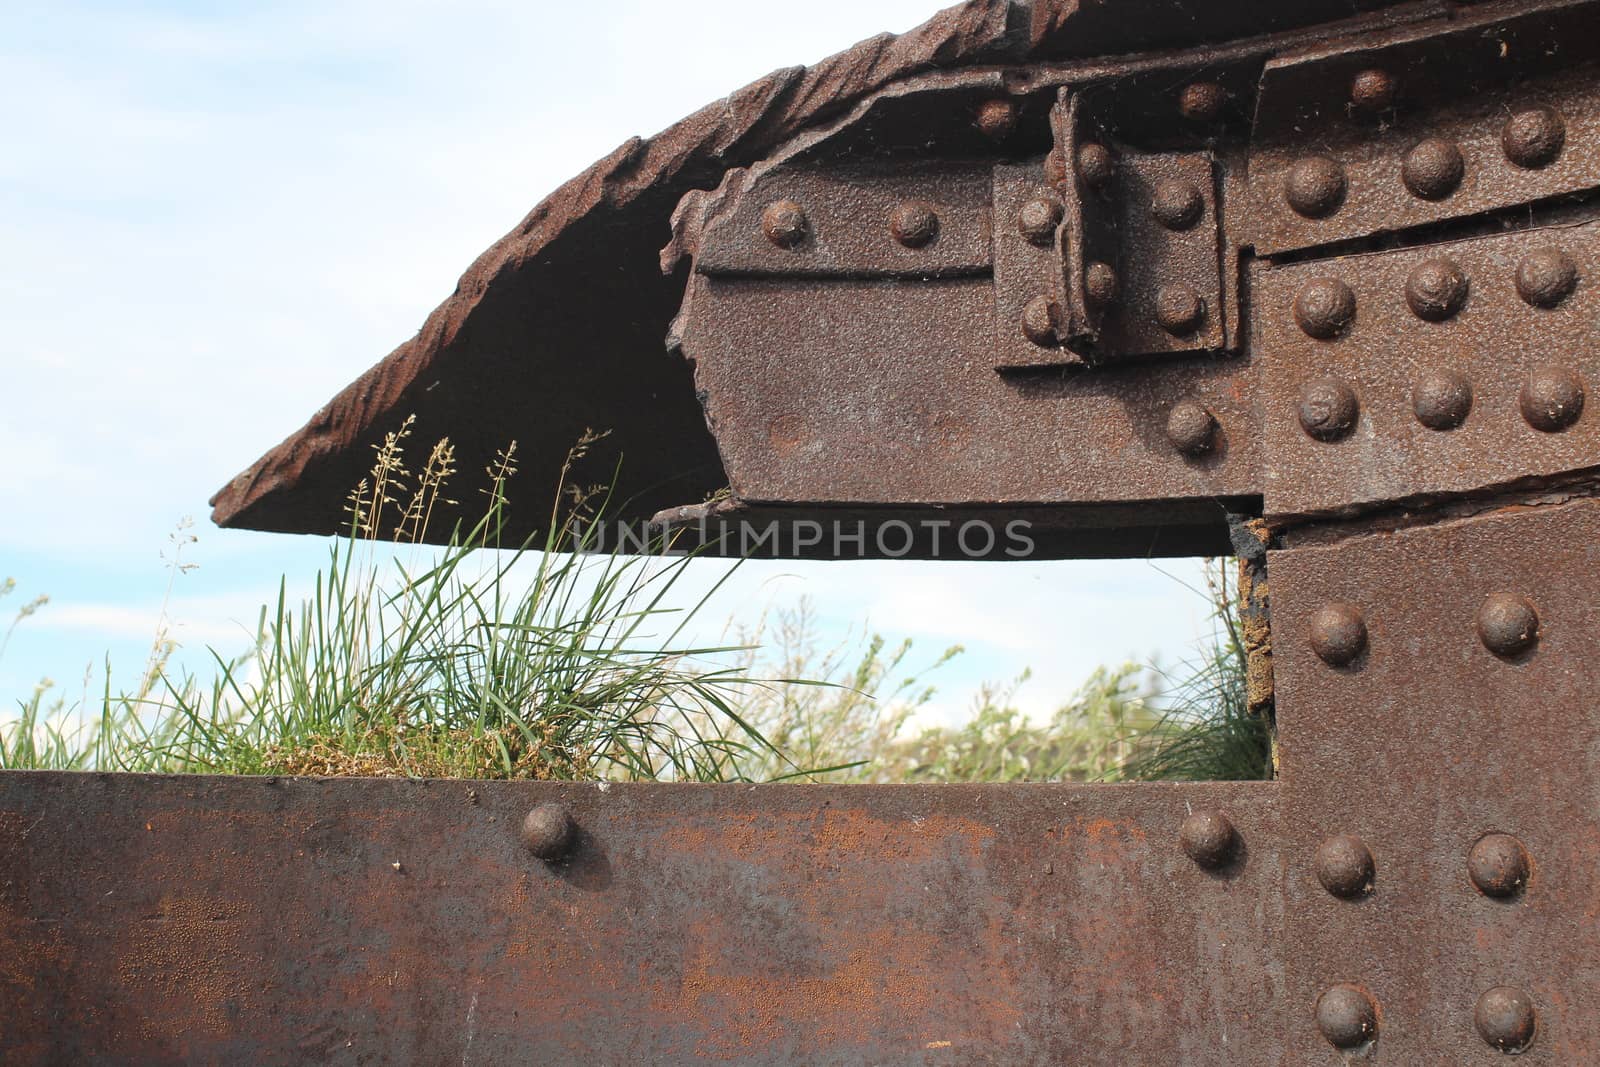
(1422, 744)
(557, 328)
(159, 920)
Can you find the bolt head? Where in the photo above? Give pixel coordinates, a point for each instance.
(1433, 169)
(914, 224)
(785, 223)
(1373, 90)
(1179, 309)
(1100, 283)
(1347, 1016)
(1038, 218)
(1551, 399)
(1191, 429)
(1345, 867)
(1498, 865)
(1315, 187)
(1533, 137)
(1546, 277)
(1096, 165)
(997, 118)
(1202, 101)
(1338, 633)
(549, 832)
(1325, 308)
(1209, 839)
(1041, 321)
(1436, 289)
(1177, 204)
(1508, 624)
(1442, 399)
(1328, 409)
(1506, 1019)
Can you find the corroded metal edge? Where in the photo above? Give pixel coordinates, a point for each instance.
(537, 315)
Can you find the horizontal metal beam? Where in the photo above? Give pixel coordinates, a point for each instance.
(198, 919)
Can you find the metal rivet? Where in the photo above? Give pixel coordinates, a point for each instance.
(1338, 633)
(1314, 187)
(1546, 276)
(1442, 399)
(1433, 169)
(1552, 399)
(914, 224)
(1498, 865)
(1328, 409)
(549, 832)
(1436, 289)
(1347, 1016)
(1100, 283)
(1209, 839)
(1041, 321)
(1345, 867)
(1505, 1018)
(1508, 624)
(1179, 309)
(1202, 101)
(1177, 204)
(1038, 219)
(1373, 90)
(997, 119)
(785, 223)
(1324, 308)
(1096, 165)
(1191, 428)
(1534, 137)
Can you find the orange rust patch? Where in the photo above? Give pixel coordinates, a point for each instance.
(188, 958)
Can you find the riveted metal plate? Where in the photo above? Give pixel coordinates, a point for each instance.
(1423, 744)
(848, 222)
(885, 393)
(1157, 264)
(1457, 83)
(1026, 271)
(231, 921)
(1388, 355)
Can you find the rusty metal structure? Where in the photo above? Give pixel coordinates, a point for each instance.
(1315, 283)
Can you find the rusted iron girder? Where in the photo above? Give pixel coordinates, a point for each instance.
(218, 920)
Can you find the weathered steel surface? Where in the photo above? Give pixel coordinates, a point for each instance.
(850, 226)
(569, 306)
(207, 920)
(1440, 141)
(1474, 363)
(834, 392)
(1422, 744)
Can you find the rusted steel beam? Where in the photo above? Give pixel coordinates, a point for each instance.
(218, 920)
(1436, 689)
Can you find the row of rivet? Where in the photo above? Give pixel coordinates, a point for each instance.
(1435, 291)
(1199, 102)
(1551, 400)
(1347, 1016)
(913, 224)
(1507, 623)
(1434, 168)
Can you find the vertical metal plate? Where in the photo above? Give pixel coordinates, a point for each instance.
(1421, 745)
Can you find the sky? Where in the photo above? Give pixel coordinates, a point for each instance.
(216, 215)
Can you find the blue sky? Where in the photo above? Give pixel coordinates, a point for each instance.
(217, 215)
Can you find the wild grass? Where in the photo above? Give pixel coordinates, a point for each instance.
(552, 660)
(545, 661)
